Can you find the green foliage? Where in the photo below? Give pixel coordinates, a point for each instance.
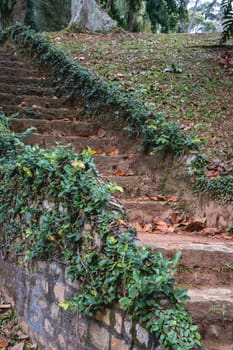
(51, 15)
(166, 14)
(6, 7)
(227, 21)
(220, 188)
(140, 15)
(152, 128)
(53, 206)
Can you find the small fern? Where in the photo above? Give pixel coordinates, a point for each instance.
(227, 21)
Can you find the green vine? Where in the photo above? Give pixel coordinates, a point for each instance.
(219, 188)
(54, 206)
(156, 133)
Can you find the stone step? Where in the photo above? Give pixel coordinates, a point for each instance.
(146, 210)
(11, 63)
(27, 80)
(217, 345)
(133, 186)
(25, 90)
(39, 112)
(17, 72)
(109, 165)
(56, 127)
(212, 311)
(29, 101)
(204, 261)
(78, 143)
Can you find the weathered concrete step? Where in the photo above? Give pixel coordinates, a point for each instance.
(17, 71)
(56, 127)
(108, 165)
(25, 80)
(77, 142)
(217, 345)
(212, 311)
(29, 101)
(39, 112)
(12, 63)
(204, 261)
(146, 211)
(133, 186)
(25, 90)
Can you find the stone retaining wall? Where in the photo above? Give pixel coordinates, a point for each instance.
(35, 292)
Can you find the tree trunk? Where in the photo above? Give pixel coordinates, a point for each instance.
(87, 15)
(193, 16)
(19, 11)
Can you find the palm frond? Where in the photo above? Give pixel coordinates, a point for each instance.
(227, 21)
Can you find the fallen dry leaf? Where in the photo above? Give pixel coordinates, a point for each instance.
(113, 152)
(161, 225)
(194, 226)
(138, 226)
(101, 133)
(147, 228)
(98, 151)
(119, 172)
(23, 104)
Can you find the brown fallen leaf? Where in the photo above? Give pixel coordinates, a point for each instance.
(210, 231)
(101, 133)
(147, 228)
(23, 104)
(3, 344)
(119, 172)
(138, 226)
(161, 225)
(195, 226)
(113, 152)
(157, 198)
(172, 199)
(98, 151)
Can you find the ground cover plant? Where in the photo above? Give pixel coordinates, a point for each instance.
(186, 77)
(54, 206)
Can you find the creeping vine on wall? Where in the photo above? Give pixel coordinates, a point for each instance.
(53, 205)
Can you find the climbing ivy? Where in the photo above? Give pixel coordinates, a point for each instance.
(53, 206)
(155, 132)
(219, 188)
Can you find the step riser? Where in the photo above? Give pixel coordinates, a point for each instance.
(19, 90)
(19, 72)
(60, 127)
(9, 99)
(78, 143)
(146, 211)
(46, 113)
(214, 317)
(24, 80)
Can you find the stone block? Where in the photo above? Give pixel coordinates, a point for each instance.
(103, 316)
(59, 291)
(118, 322)
(99, 336)
(118, 344)
(142, 335)
(48, 327)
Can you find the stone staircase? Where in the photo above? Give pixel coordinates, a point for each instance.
(206, 268)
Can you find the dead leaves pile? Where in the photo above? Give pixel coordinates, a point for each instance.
(180, 225)
(226, 60)
(219, 168)
(11, 337)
